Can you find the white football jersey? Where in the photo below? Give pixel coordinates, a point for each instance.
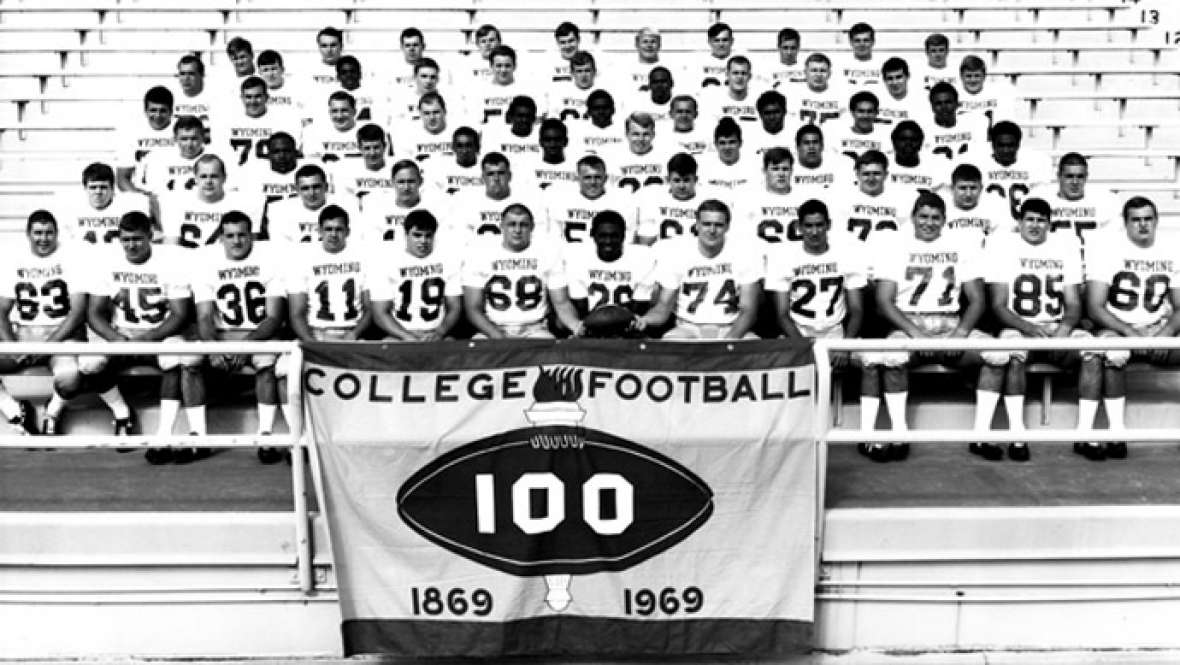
(567, 102)
(166, 171)
(140, 292)
(356, 180)
(929, 275)
(416, 289)
(696, 142)
(663, 216)
(323, 142)
(1098, 212)
(718, 175)
(708, 289)
(498, 137)
(866, 216)
(989, 216)
(1140, 278)
(769, 216)
(588, 137)
(968, 137)
(241, 139)
(630, 277)
(833, 171)
(191, 222)
(40, 286)
(569, 214)
(817, 282)
(383, 219)
(826, 108)
(489, 102)
(79, 222)
(930, 174)
(335, 284)
(857, 74)
(1031, 170)
(998, 100)
(239, 288)
(515, 284)
(844, 140)
(531, 170)
(205, 105)
(472, 213)
(137, 138)
(913, 106)
(631, 172)
(1035, 274)
(290, 221)
(412, 141)
(448, 177)
(717, 103)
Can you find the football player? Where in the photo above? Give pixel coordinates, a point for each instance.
(953, 135)
(138, 138)
(1087, 211)
(602, 134)
(613, 272)
(569, 209)
(330, 44)
(670, 212)
(169, 170)
(490, 100)
(733, 99)
(819, 100)
(784, 68)
(814, 169)
(296, 220)
(973, 214)
(417, 294)
(476, 212)
(686, 135)
(725, 168)
(1009, 173)
(865, 133)
(900, 103)
(357, 178)
(384, 212)
(860, 68)
(771, 129)
(335, 139)
(912, 169)
(936, 69)
(997, 103)
(709, 69)
(452, 176)
(327, 288)
(95, 217)
(192, 96)
(551, 166)
(429, 137)
(640, 163)
(871, 209)
(191, 218)
(568, 102)
(241, 57)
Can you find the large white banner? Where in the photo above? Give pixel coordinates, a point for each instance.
(568, 499)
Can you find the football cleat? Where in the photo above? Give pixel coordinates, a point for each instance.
(156, 456)
(1018, 452)
(129, 426)
(1116, 449)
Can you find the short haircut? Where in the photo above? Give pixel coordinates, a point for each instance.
(936, 39)
(411, 32)
(270, 57)
(972, 63)
(517, 209)
(239, 44)
(809, 128)
(188, 122)
(252, 81)
(209, 158)
(895, 64)
(642, 119)
(40, 216)
(521, 102)
(942, 87)
(907, 125)
(348, 60)
(683, 98)
(551, 124)
(341, 96)
(465, 131)
(486, 29)
(333, 211)
(727, 126)
(770, 98)
(717, 28)
(191, 59)
(605, 217)
(502, 50)
(818, 57)
(777, 155)
(738, 60)
(135, 222)
(1072, 159)
(581, 58)
(871, 157)
(280, 136)
(402, 164)
(1037, 205)
(600, 94)
(787, 34)
(812, 207)
(432, 98)
(862, 28)
(98, 172)
(713, 205)
(565, 29)
(426, 63)
(864, 96)
(591, 162)
(1005, 128)
(928, 200)
(329, 32)
(311, 171)
(370, 132)
(1139, 202)
(660, 68)
(683, 164)
(158, 95)
(494, 158)
(966, 172)
(421, 219)
(235, 217)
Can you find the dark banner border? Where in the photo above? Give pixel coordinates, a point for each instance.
(615, 354)
(576, 637)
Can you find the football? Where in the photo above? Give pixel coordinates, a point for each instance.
(607, 321)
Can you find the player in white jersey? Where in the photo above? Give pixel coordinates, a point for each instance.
(632, 75)
(770, 209)
(329, 42)
(516, 134)
(570, 209)
(912, 169)
(384, 212)
(1132, 290)
(478, 68)
(489, 100)
(899, 102)
(333, 138)
(273, 179)
(655, 98)
(296, 219)
(601, 134)
(372, 100)
(240, 295)
(512, 283)
(865, 133)
(711, 283)
(141, 294)
(462, 171)
(771, 129)
(568, 39)
(950, 134)
(357, 178)
(1090, 212)
(870, 210)
(920, 277)
(816, 167)
(41, 300)
(818, 283)
(429, 138)
(284, 91)
(1034, 282)
(242, 132)
(138, 138)
(784, 69)
(1009, 173)
(553, 165)
(94, 217)
(417, 294)
(670, 212)
(724, 168)
(170, 170)
(612, 272)
(327, 285)
(567, 102)
(859, 68)
(936, 68)
(706, 70)
(819, 100)
(642, 160)
(997, 103)
(476, 212)
(191, 218)
(686, 135)
(733, 99)
(192, 96)
(972, 214)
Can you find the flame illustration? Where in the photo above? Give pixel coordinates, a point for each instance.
(559, 384)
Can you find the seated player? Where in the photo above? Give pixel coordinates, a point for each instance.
(327, 287)
(865, 133)
(138, 138)
(640, 162)
(142, 294)
(859, 68)
(241, 132)
(475, 212)
(569, 209)
(686, 135)
(613, 272)
(711, 282)
(462, 172)
(950, 134)
(169, 170)
(1090, 212)
(900, 103)
(1034, 282)
(771, 208)
(41, 300)
(1132, 290)
(512, 283)
(191, 218)
(971, 213)
(333, 138)
(819, 100)
(238, 290)
(670, 212)
(94, 217)
(296, 220)
(417, 294)
(921, 276)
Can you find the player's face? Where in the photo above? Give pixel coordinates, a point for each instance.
(191, 142)
(243, 62)
(373, 152)
(871, 178)
(944, 105)
(497, 179)
(487, 43)
(521, 118)
(282, 155)
(254, 101)
(466, 149)
(210, 181)
(864, 114)
(43, 238)
(333, 235)
(601, 111)
(1034, 227)
(1005, 148)
(722, 44)
(639, 138)
(313, 191)
(862, 45)
(159, 116)
(342, 114)
(936, 55)
(973, 80)
(237, 240)
(897, 83)
(591, 181)
(738, 77)
(660, 84)
(772, 116)
(814, 229)
(503, 70)
(553, 142)
(788, 51)
(711, 228)
(100, 193)
(818, 73)
(682, 187)
(684, 115)
(192, 81)
(811, 150)
(137, 245)
(966, 193)
(648, 46)
(1141, 223)
(583, 75)
(1071, 181)
(517, 229)
(407, 184)
(434, 118)
(729, 148)
(427, 80)
(567, 46)
(608, 241)
(419, 242)
(412, 48)
(330, 49)
(272, 74)
(928, 223)
(349, 75)
(778, 176)
(907, 143)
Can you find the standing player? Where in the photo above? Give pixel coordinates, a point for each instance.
(913, 169)
(273, 178)
(476, 212)
(335, 139)
(330, 44)
(139, 138)
(417, 295)
(1009, 174)
(95, 217)
(384, 212)
(238, 290)
(952, 135)
(296, 220)
(511, 284)
(357, 178)
(771, 129)
(860, 69)
(551, 166)
(1132, 290)
(772, 209)
(613, 272)
(972, 214)
(142, 294)
(670, 212)
(711, 282)
(865, 133)
(784, 67)
(814, 169)
(685, 135)
(490, 100)
(709, 69)
(1034, 281)
(997, 103)
(870, 209)
(192, 97)
(1090, 212)
(734, 98)
(570, 210)
(900, 103)
(429, 137)
(601, 134)
(640, 162)
(819, 99)
(462, 173)
(568, 102)
(191, 218)
(169, 170)
(283, 91)
(936, 69)
(725, 168)
(327, 287)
